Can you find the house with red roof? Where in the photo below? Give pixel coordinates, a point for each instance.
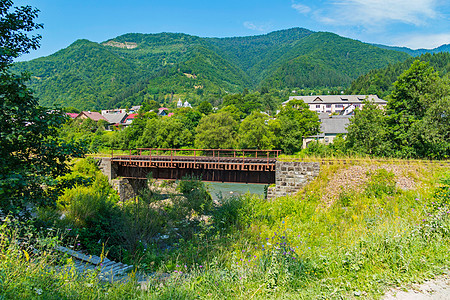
(163, 111)
(93, 115)
(72, 115)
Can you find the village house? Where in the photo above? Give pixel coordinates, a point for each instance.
(72, 115)
(334, 113)
(115, 119)
(93, 115)
(330, 127)
(132, 110)
(341, 104)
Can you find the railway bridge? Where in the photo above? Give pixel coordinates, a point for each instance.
(220, 165)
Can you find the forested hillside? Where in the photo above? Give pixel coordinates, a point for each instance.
(133, 68)
(380, 81)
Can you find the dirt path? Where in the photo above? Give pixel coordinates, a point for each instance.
(436, 289)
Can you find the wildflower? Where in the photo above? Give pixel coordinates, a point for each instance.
(38, 291)
(200, 266)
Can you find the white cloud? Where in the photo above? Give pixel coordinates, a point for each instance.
(427, 41)
(379, 12)
(257, 27)
(303, 9)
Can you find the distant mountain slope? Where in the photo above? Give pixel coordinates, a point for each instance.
(134, 67)
(326, 59)
(417, 52)
(380, 81)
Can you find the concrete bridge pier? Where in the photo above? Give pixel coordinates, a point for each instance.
(127, 188)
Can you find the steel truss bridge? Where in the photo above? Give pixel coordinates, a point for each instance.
(221, 165)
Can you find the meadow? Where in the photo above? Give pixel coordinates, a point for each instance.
(356, 241)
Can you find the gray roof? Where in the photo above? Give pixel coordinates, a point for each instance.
(334, 125)
(336, 99)
(115, 118)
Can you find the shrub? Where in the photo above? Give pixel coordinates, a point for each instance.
(381, 182)
(197, 196)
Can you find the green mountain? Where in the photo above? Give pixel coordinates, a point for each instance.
(417, 52)
(136, 67)
(380, 81)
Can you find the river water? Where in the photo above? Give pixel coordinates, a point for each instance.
(233, 189)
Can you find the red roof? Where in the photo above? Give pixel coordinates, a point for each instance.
(163, 108)
(131, 117)
(72, 115)
(93, 115)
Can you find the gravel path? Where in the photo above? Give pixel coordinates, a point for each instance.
(436, 289)
(354, 177)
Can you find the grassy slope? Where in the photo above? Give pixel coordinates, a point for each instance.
(296, 247)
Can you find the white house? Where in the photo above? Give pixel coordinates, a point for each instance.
(344, 104)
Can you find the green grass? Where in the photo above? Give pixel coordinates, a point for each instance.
(290, 248)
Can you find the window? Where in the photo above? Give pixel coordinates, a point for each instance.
(318, 106)
(328, 105)
(339, 106)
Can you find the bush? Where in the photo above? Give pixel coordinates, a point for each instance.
(381, 182)
(197, 196)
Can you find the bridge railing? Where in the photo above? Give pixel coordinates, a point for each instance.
(217, 154)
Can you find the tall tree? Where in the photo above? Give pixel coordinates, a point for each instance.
(254, 132)
(31, 155)
(294, 122)
(414, 92)
(367, 131)
(216, 131)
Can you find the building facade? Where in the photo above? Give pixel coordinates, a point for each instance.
(340, 104)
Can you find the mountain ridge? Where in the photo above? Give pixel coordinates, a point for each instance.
(136, 67)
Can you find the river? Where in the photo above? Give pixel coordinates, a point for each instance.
(233, 189)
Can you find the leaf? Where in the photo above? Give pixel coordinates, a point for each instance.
(27, 256)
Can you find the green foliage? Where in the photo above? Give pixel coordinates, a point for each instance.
(216, 131)
(15, 24)
(197, 197)
(205, 108)
(380, 81)
(254, 132)
(414, 125)
(31, 154)
(415, 91)
(88, 75)
(294, 122)
(368, 132)
(381, 182)
(30, 269)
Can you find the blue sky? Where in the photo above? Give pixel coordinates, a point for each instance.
(411, 23)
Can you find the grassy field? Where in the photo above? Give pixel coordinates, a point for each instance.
(355, 241)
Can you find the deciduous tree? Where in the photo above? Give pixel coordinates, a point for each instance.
(31, 154)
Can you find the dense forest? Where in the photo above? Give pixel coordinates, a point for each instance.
(134, 67)
(380, 81)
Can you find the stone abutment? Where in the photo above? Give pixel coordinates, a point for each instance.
(291, 177)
